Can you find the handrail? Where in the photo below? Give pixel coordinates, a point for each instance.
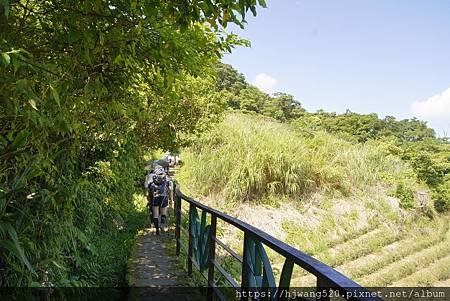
(254, 255)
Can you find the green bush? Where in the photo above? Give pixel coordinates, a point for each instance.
(441, 197)
(405, 194)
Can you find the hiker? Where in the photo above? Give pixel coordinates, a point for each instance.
(177, 159)
(170, 159)
(148, 180)
(158, 197)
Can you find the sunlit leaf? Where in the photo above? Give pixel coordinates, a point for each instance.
(33, 104)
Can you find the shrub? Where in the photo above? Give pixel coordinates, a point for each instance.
(405, 194)
(441, 197)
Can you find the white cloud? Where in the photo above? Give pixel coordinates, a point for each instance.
(437, 106)
(265, 82)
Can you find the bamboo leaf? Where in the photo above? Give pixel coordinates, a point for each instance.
(20, 140)
(55, 95)
(19, 179)
(6, 58)
(14, 247)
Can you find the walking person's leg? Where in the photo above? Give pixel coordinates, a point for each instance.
(163, 214)
(155, 214)
(149, 210)
(163, 211)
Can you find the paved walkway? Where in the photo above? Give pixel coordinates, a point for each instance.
(154, 272)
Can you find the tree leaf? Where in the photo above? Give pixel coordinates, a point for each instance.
(16, 65)
(20, 140)
(3, 143)
(6, 58)
(55, 95)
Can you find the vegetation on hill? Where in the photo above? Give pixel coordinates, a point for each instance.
(251, 157)
(86, 89)
(409, 139)
(352, 190)
(355, 206)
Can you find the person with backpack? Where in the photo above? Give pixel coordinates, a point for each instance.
(148, 180)
(158, 197)
(167, 157)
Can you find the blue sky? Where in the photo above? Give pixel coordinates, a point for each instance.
(391, 57)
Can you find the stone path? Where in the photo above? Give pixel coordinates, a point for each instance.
(154, 272)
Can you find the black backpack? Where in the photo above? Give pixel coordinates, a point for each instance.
(159, 179)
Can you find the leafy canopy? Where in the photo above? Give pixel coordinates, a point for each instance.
(86, 88)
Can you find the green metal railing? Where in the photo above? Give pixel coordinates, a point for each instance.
(257, 273)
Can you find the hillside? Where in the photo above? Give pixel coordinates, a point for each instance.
(336, 200)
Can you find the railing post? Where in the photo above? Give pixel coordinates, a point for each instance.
(322, 287)
(285, 279)
(211, 256)
(172, 198)
(177, 206)
(244, 283)
(190, 246)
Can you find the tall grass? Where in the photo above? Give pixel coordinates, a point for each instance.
(248, 157)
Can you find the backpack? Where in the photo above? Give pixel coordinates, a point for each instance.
(159, 179)
(159, 185)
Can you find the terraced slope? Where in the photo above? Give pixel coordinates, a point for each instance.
(386, 256)
(443, 283)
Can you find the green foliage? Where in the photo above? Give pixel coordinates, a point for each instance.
(230, 79)
(86, 90)
(251, 99)
(363, 127)
(441, 197)
(283, 107)
(248, 98)
(405, 194)
(430, 159)
(409, 139)
(251, 157)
